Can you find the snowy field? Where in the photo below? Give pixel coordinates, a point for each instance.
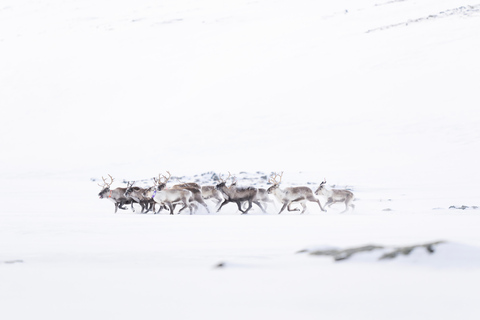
(377, 96)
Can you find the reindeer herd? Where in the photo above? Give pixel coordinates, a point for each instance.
(191, 195)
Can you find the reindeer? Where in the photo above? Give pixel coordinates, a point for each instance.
(136, 193)
(209, 192)
(117, 196)
(261, 197)
(195, 189)
(168, 197)
(335, 195)
(291, 194)
(237, 195)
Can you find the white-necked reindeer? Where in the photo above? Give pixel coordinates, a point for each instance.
(335, 195)
(291, 194)
(168, 197)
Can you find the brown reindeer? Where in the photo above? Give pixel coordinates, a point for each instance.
(136, 193)
(117, 196)
(262, 197)
(335, 195)
(237, 195)
(291, 194)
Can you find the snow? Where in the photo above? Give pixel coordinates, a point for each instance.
(380, 97)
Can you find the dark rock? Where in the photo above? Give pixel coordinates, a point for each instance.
(346, 253)
(407, 250)
(391, 252)
(13, 261)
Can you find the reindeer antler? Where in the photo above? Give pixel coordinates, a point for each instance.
(220, 177)
(234, 181)
(273, 178)
(105, 183)
(166, 178)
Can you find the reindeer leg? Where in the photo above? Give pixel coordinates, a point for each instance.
(239, 204)
(116, 207)
(152, 206)
(304, 205)
(290, 209)
(329, 203)
(249, 206)
(162, 206)
(320, 205)
(200, 200)
(258, 204)
(223, 203)
(193, 208)
(283, 207)
(144, 207)
(348, 203)
(313, 199)
(147, 206)
(219, 202)
(244, 205)
(186, 204)
(120, 205)
(171, 207)
(219, 199)
(183, 208)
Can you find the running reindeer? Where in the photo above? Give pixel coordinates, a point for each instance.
(117, 196)
(291, 194)
(168, 197)
(209, 192)
(196, 191)
(136, 193)
(335, 195)
(237, 195)
(262, 196)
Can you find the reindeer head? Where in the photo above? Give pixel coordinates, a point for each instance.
(222, 182)
(105, 187)
(129, 189)
(275, 183)
(321, 187)
(147, 193)
(162, 180)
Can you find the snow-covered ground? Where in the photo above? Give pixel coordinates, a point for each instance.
(380, 97)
